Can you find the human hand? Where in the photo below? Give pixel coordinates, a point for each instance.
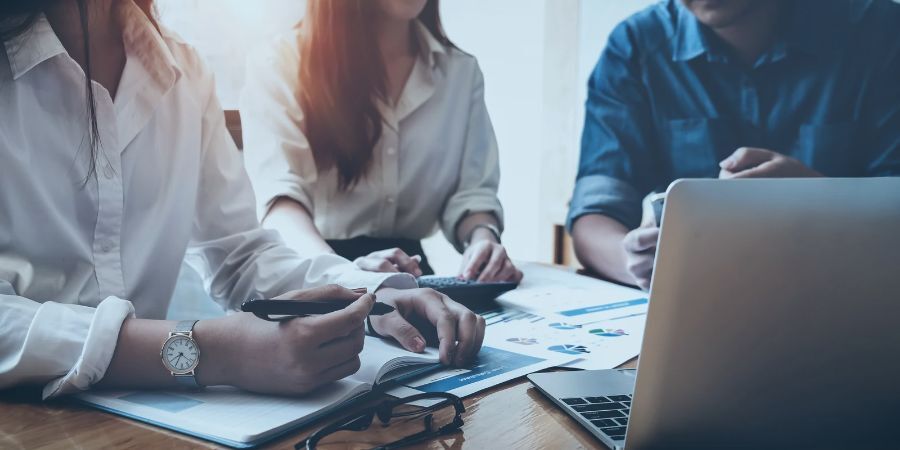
(390, 260)
(427, 316)
(748, 162)
(486, 260)
(295, 356)
(640, 250)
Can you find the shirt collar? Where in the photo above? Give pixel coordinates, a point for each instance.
(430, 49)
(36, 45)
(690, 39)
(811, 27)
(142, 42)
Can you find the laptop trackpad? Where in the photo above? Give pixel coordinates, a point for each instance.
(585, 383)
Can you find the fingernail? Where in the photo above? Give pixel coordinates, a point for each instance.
(418, 344)
(361, 290)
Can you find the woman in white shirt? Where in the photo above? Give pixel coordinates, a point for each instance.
(95, 221)
(365, 130)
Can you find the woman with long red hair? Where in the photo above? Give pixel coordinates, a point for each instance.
(365, 130)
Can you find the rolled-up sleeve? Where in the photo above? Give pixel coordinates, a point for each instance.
(616, 168)
(236, 257)
(276, 152)
(67, 348)
(882, 116)
(479, 176)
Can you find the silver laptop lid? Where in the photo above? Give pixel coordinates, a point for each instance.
(774, 317)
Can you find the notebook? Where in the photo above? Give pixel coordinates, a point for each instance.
(240, 419)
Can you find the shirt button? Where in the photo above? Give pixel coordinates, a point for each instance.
(390, 200)
(392, 151)
(106, 246)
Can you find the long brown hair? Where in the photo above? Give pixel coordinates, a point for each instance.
(342, 77)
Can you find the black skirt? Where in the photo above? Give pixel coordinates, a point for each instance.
(363, 245)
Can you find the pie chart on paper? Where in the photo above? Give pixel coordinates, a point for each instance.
(569, 349)
(608, 332)
(564, 326)
(523, 341)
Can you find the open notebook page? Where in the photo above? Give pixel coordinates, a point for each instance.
(240, 419)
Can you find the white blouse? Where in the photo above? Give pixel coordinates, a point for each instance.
(435, 163)
(77, 259)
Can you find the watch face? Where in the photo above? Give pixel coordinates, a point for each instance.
(180, 354)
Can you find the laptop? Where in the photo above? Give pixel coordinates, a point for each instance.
(774, 322)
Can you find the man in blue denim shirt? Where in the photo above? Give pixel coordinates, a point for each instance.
(730, 89)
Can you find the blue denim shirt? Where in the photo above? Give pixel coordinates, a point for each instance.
(668, 100)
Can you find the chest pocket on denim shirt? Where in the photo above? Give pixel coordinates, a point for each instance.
(695, 146)
(829, 148)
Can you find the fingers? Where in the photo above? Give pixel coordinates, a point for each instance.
(509, 273)
(341, 323)
(641, 240)
(391, 260)
(405, 262)
(745, 158)
(641, 268)
(467, 336)
(395, 326)
(431, 305)
(479, 257)
(494, 264)
(375, 264)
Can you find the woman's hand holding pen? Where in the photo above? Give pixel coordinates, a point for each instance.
(290, 357)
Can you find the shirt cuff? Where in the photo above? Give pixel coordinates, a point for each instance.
(600, 194)
(99, 344)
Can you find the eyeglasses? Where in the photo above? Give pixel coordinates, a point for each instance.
(443, 417)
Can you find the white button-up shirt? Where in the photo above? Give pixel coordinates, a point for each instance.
(77, 259)
(435, 163)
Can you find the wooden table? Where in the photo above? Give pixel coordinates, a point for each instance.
(512, 415)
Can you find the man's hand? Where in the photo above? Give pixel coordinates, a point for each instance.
(640, 250)
(390, 260)
(294, 356)
(748, 162)
(427, 316)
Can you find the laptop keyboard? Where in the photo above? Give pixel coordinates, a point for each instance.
(609, 414)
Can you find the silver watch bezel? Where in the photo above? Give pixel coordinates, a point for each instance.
(162, 354)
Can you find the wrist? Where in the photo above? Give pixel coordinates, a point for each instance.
(213, 338)
(483, 234)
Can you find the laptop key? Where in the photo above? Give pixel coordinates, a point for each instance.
(622, 421)
(603, 423)
(597, 399)
(620, 398)
(574, 401)
(597, 407)
(601, 414)
(613, 430)
(617, 437)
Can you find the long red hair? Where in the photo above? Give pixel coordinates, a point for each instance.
(342, 77)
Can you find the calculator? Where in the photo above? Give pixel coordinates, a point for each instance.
(473, 294)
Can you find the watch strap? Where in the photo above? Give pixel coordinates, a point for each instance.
(185, 326)
(493, 229)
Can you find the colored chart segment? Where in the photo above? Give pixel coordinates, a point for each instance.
(606, 307)
(608, 332)
(564, 326)
(523, 341)
(569, 349)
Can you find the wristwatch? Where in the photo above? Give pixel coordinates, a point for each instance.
(493, 229)
(180, 354)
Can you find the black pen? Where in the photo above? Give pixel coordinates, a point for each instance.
(278, 310)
